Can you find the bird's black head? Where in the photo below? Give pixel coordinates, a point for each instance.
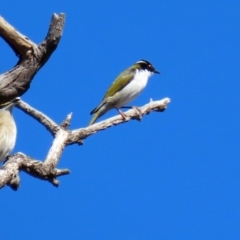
(144, 64)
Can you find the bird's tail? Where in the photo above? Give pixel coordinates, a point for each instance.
(94, 118)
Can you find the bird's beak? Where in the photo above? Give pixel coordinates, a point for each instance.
(155, 71)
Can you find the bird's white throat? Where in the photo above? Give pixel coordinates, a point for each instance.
(143, 74)
(134, 88)
(140, 79)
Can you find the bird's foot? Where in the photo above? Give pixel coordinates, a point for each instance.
(138, 110)
(123, 115)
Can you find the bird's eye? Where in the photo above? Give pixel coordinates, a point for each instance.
(150, 65)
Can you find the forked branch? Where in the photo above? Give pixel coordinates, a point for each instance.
(46, 170)
(32, 57)
(16, 82)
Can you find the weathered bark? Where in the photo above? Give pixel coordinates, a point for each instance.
(16, 82)
(32, 57)
(46, 170)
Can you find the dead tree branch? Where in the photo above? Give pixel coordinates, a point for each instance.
(50, 125)
(16, 82)
(76, 136)
(32, 57)
(46, 170)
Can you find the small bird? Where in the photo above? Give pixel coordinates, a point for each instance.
(8, 130)
(126, 87)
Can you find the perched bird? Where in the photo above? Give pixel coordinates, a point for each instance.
(126, 87)
(8, 130)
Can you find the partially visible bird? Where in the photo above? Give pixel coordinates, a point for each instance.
(126, 87)
(8, 130)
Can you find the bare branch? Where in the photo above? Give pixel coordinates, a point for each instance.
(17, 41)
(16, 82)
(58, 145)
(66, 123)
(53, 37)
(9, 173)
(32, 57)
(50, 125)
(78, 135)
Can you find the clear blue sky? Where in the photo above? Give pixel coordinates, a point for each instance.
(175, 175)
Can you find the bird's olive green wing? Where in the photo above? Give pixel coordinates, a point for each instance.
(120, 82)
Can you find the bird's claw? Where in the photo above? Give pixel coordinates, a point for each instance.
(138, 110)
(123, 115)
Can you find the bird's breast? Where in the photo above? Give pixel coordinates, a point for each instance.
(8, 133)
(133, 89)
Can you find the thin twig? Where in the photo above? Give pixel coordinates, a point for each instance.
(47, 170)
(50, 125)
